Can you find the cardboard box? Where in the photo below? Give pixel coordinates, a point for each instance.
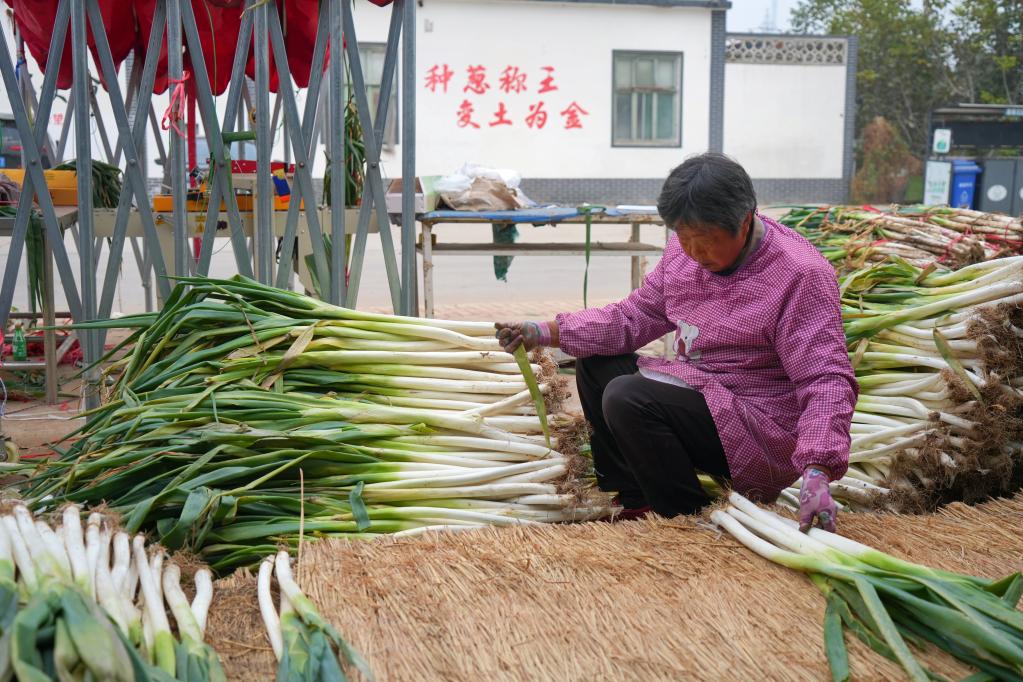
(426, 196)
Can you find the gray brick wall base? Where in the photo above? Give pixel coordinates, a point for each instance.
(801, 190)
(593, 190)
(612, 191)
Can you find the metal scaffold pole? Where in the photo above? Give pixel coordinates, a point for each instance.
(176, 157)
(81, 92)
(409, 294)
(263, 235)
(336, 147)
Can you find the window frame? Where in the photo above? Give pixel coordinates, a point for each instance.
(392, 113)
(679, 112)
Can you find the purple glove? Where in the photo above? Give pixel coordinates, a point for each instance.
(815, 503)
(528, 334)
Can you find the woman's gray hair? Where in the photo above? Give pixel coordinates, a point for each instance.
(705, 191)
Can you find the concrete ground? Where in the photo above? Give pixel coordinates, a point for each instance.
(466, 289)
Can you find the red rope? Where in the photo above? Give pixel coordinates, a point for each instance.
(177, 103)
(948, 249)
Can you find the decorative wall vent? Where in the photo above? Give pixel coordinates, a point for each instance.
(771, 49)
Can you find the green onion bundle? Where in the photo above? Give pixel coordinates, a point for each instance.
(888, 603)
(306, 645)
(850, 236)
(355, 160)
(106, 182)
(939, 361)
(245, 417)
(68, 608)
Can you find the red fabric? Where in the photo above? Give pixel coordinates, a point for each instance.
(218, 29)
(144, 11)
(35, 20)
(250, 66)
(120, 28)
(299, 22)
(129, 23)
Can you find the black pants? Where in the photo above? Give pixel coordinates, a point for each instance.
(649, 437)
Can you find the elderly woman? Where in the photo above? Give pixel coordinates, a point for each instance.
(761, 390)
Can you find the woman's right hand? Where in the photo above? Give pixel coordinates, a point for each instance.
(527, 334)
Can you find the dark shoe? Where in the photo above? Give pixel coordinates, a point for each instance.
(628, 513)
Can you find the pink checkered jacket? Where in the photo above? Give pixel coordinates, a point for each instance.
(764, 346)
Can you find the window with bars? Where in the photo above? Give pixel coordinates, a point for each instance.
(372, 57)
(647, 103)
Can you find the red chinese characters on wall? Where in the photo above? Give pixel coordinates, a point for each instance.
(547, 84)
(438, 76)
(501, 116)
(573, 113)
(514, 82)
(465, 111)
(477, 80)
(537, 117)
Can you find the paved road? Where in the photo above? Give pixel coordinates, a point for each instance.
(459, 280)
(465, 286)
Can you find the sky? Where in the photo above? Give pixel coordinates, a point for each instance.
(749, 15)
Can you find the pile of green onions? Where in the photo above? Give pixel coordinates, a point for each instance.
(939, 360)
(68, 606)
(850, 236)
(306, 645)
(245, 417)
(106, 182)
(889, 603)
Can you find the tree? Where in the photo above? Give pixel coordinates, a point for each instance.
(886, 166)
(905, 58)
(988, 51)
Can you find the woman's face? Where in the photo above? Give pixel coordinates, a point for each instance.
(713, 247)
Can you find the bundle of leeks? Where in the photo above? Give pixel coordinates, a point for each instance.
(889, 603)
(939, 361)
(306, 645)
(69, 610)
(245, 416)
(850, 236)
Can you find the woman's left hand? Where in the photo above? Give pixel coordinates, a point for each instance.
(815, 503)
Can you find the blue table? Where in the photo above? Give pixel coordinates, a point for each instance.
(537, 216)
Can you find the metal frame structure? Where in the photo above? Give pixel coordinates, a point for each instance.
(92, 298)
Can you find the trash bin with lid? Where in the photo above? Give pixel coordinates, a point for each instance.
(996, 185)
(964, 183)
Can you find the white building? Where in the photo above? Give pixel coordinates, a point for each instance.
(597, 100)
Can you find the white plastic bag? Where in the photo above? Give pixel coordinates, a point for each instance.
(509, 177)
(456, 183)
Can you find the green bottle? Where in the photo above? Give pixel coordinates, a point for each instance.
(19, 347)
